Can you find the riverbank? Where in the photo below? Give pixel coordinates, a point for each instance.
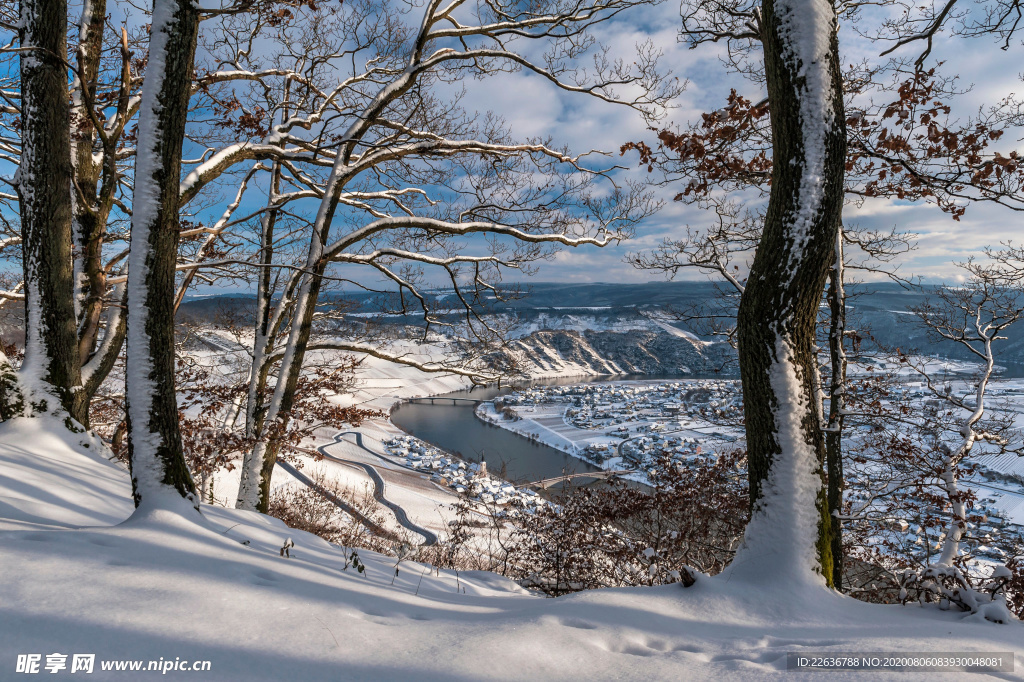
(623, 425)
(386, 386)
(537, 432)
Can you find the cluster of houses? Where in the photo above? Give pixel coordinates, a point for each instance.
(636, 424)
(466, 478)
(604, 405)
(649, 448)
(643, 415)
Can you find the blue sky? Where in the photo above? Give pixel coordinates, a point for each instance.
(532, 107)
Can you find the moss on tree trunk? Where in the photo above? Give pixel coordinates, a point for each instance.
(790, 267)
(44, 189)
(161, 248)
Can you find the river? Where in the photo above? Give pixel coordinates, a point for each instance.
(456, 429)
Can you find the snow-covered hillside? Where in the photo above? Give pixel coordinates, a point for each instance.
(85, 576)
(572, 352)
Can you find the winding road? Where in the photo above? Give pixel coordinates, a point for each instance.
(338, 502)
(379, 487)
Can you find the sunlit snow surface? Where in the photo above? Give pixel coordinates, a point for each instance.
(164, 586)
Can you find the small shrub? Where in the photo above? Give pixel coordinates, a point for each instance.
(306, 509)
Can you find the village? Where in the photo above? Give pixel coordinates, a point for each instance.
(625, 425)
(630, 426)
(465, 478)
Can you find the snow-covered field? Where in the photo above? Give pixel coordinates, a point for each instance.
(85, 576)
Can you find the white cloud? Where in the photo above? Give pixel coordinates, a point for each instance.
(943, 241)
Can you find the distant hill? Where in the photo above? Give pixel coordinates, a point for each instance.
(880, 312)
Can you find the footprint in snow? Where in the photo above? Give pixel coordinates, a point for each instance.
(262, 577)
(648, 647)
(577, 623)
(377, 618)
(635, 650)
(103, 541)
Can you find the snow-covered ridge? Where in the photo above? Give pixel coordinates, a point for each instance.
(568, 352)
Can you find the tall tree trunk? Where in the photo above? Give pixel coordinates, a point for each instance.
(308, 291)
(788, 537)
(89, 217)
(269, 460)
(264, 327)
(252, 493)
(836, 406)
(277, 413)
(96, 178)
(952, 458)
(155, 452)
(258, 465)
(50, 374)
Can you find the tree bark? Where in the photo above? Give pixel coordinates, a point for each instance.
(264, 421)
(154, 441)
(836, 405)
(50, 374)
(258, 465)
(789, 531)
(96, 179)
(90, 216)
(277, 415)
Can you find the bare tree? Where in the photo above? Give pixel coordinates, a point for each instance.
(912, 527)
(105, 67)
(103, 99)
(805, 158)
(405, 182)
(909, 148)
(919, 24)
(975, 316)
(775, 326)
(102, 110)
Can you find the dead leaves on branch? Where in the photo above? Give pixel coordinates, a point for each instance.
(716, 152)
(908, 149)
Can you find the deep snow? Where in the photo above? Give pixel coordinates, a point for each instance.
(82, 579)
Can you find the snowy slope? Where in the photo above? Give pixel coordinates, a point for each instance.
(568, 352)
(164, 585)
(48, 480)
